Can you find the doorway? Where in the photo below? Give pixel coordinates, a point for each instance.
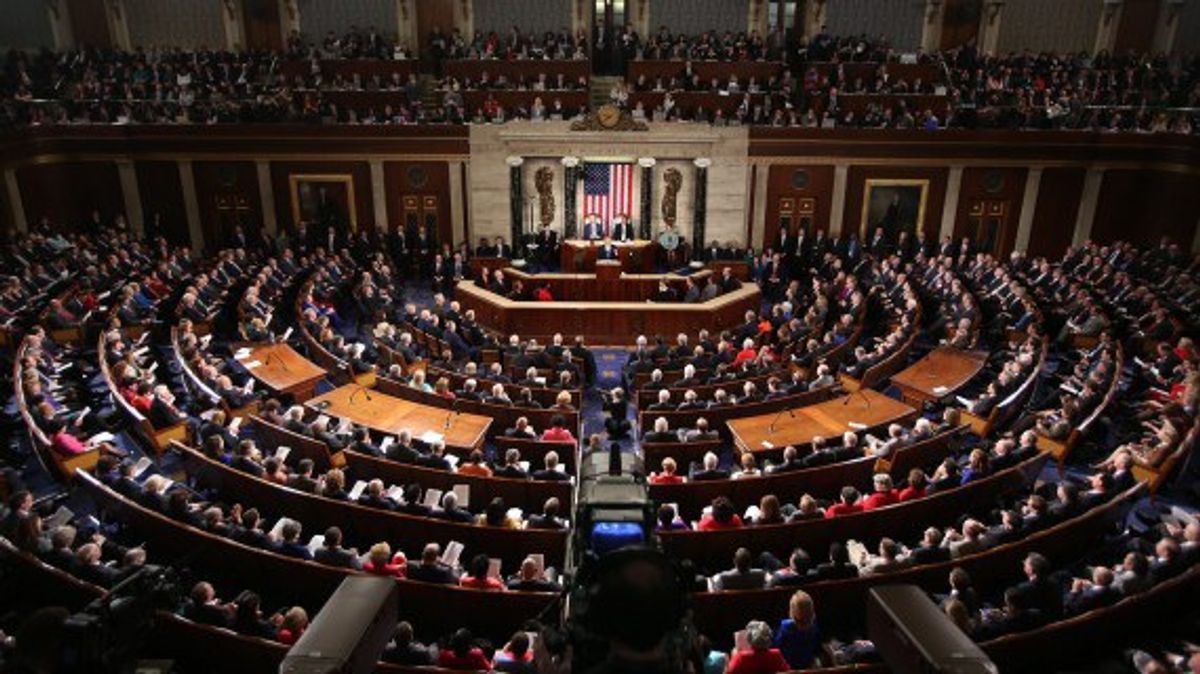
(609, 51)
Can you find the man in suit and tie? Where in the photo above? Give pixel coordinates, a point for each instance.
(622, 229)
(502, 249)
(607, 251)
(593, 229)
(547, 242)
(786, 243)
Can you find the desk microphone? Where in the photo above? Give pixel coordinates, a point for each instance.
(450, 414)
(272, 354)
(791, 413)
(361, 389)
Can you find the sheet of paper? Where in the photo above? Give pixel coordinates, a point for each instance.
(251, 364)
(235, 425)
(387, 442)
(493, 568)
(539, 559)
(741, 641)
(463, 492)
(287, 334)
(396, 493)
(357, 490)
(452, 553)
(433, 497)
(59, 518)
(856, 425)
(281, 453)
(432, 437)
(141, 466)
(316, 543)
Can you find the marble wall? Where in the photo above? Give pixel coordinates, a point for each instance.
(189, 24)
(1187, 33)
(900, 21)
(697, 16)
(674, 146)
(530, 15)
(1061, 25)
(25, 25)
(318, 17)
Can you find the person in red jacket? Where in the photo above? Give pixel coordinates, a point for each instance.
(760, 657)
(462, 654)
(479, 578)
(848, 504)
(722, 516)
(381, 562)
(915, 488)
(884, 494)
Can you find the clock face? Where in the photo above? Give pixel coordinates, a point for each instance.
(608, 115)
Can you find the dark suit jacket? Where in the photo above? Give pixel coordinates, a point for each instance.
(338, 556)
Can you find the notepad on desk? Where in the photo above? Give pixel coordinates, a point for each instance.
(940, 390)
(251, 364)
(432, 437)
(857, 426)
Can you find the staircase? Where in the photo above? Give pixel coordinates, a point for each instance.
(599, 88)
(430, 96)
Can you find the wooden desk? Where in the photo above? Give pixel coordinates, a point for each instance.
(389, 415)
(579, 255)
(605, 322)
(938, 375)
(829, 419)
(283, 370)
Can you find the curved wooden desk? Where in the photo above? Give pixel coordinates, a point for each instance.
(605, 322)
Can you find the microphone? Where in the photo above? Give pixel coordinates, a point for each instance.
(361, 389)
(450, 414)
(791, 413)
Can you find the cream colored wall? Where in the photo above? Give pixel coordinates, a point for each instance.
(673, 145)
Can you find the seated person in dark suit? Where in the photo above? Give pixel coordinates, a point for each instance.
(512, 468)
(930, 551)
(795, 573)
(247, 459)
(333, 554)
(1087, 595)
(431, 569)
(450, 510)
(363, 445)
(837, 567)
(742, 576)
(374, 497)
(548, 519)
(404, 649)
(710, 470)
(289, 542)
(412, 501)
(436, 458)
(204, 608)
(552, 472)
(530, 579)
(661, 432)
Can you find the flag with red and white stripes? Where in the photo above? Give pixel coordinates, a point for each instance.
(607, 191)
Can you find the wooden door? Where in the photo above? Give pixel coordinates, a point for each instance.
(263, 26)
(988, 226)
(960, 22)
(1139, 19)
(433, 14)
(89, 23)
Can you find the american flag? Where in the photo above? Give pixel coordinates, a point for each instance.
(607, 191)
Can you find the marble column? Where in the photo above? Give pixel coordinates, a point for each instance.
(1033, 185)
(131, 196)
(837, 210)
(458, 219)
(60, 24)
(118, 27)
(647, 197)
(931, 29)
(699, 209)
(950, 205)
(231, 24)
(266, 191)
(14, 201)
(379, 195)
(1088, 202)
(516, 201)
(989, 28)
(570, 185)
(191, 206)
(1106, 30)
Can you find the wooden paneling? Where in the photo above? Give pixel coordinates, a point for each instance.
(433, 14)
(782, 185)
(360, 172)
(1143, 206)
(419, 179)
(1056, 210)
(89, 23)
(67, 193)
(995, 186)
(1139, 19)
(162, 200)
(227, 193)
(856, 188)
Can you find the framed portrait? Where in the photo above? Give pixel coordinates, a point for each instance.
(894, 205)
(323, 199)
